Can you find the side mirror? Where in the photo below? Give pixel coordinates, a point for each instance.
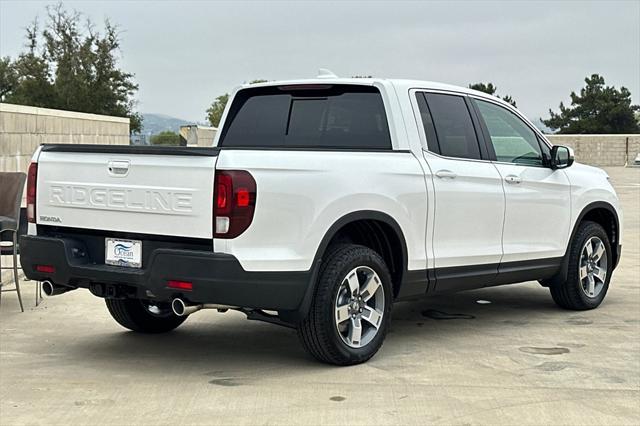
(561, 157)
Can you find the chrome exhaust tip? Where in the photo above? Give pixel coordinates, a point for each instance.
(181, 309)
(50, 289)
(47, 288)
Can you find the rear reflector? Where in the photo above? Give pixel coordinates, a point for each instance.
(46, 269)
(32, 177)
(181, 285)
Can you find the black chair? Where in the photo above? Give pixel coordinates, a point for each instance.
(11, 188)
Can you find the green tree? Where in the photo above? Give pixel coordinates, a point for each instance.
(490, 89)
(27, 80)
(71, 66)
(214, 112)
(510, 100)
(8, 77)
(597, 109)
(486, 88)
(166, 138)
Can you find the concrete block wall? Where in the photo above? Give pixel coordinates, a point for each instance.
(601, 150)
(24, 128)
(196, 135)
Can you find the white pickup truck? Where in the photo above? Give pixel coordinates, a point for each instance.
(322, 203)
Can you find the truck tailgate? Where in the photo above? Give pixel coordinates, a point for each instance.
(127, 189)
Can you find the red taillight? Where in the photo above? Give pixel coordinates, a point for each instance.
(46, 269)
(181, 285)
(32, 177)
(243, 197)
(234, 202)
(224, 191)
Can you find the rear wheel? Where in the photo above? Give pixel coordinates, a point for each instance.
(349, 316)
(590, 266)
(144, 316)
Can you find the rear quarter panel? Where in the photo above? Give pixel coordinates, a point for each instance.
(300, 194)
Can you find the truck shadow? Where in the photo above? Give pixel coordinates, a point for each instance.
(516, 304)
(234, 352)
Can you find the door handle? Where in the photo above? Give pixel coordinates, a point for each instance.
(446, 174)
(513, 179)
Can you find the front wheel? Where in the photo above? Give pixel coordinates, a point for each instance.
(349, 316)
(144, 316)
(590, 266)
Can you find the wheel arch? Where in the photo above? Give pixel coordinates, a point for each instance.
(387, 236)
(606, 216)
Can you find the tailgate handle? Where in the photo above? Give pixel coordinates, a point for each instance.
(118, 168)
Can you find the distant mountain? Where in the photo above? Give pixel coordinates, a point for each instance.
(153, 124)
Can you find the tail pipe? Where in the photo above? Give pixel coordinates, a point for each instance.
(51, 289)
(182, 308)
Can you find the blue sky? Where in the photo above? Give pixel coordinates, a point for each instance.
(185, 53)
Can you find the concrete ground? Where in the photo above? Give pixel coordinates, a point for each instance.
(516, 360)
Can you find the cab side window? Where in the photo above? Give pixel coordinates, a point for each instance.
(427, 122)
(448, 125)
(513, 141)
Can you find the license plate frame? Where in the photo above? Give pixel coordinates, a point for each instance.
(123, 252)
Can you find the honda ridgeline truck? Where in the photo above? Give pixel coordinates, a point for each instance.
(321, 204)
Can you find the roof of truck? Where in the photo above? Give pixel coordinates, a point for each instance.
(367, 82)
(401, 84)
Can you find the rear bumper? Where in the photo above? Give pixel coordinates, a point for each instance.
(217, 277)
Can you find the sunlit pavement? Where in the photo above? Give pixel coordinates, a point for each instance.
(447, 360)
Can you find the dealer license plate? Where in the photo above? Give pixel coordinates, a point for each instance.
(123, 252)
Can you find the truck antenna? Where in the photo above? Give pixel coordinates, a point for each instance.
(326, 73)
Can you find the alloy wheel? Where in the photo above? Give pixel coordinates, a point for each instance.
(359, 307)
(593, 267)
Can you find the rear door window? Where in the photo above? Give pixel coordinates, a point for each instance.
(452, 125)
(327, 116)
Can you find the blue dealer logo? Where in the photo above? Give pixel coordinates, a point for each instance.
(123, 250)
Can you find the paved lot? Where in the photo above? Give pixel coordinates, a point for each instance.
(517, 360)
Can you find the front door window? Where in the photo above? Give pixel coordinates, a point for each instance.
(512, 140)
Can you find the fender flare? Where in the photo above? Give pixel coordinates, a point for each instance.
(305, 305)
(564, 268)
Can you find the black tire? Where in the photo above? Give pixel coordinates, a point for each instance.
(134, 315)
(318, 332)
(569, 294)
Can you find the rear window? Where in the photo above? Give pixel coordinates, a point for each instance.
(326, 116)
